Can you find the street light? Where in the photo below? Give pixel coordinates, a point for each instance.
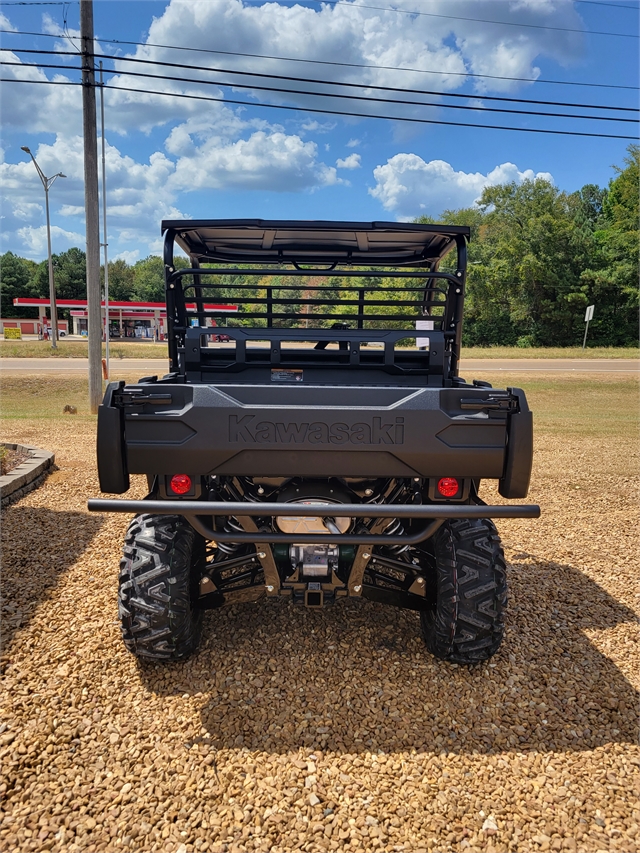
(46, 183)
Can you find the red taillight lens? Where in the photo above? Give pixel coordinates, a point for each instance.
(180, 484)
(448, 486)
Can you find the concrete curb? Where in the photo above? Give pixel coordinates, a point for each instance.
(26, 476)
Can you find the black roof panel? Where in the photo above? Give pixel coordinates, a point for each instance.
(260, 241)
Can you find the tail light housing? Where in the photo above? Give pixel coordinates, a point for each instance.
(180, 484)
(174, 486)
(448, 487)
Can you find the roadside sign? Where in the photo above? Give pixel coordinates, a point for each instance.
(587, 316)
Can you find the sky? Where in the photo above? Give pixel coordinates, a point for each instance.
(171, 157)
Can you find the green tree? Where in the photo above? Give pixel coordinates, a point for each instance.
(612, 275)
(487, 316)
(121, 281)
(533, 259)
(148, 279)
(590, 202)
(16, 275)
(69, 273)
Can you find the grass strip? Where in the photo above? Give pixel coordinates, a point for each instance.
(121, 351)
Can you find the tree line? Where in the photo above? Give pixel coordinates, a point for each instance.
(537, 258)
(140, 282)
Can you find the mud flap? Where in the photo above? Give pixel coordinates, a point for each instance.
(514, 482)
(112, 456)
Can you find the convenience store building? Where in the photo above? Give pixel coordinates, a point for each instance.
(127, 320)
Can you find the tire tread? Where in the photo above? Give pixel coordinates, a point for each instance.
(467, 624)
(155, 597)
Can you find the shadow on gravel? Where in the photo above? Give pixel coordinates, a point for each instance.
(38, 546)
(357, 677)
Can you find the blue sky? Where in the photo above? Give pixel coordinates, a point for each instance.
(169, 157)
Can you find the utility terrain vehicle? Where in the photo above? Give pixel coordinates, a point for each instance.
(329, 449)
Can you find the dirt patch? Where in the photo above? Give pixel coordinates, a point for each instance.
(10, 458)
(335, 730)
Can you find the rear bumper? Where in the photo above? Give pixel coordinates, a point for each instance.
(200, 515)
(315, 432)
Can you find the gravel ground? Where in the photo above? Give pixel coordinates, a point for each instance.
(331, 730)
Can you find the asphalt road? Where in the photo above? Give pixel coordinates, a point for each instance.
(145, 366)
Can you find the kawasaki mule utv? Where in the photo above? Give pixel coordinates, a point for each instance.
(329, 449)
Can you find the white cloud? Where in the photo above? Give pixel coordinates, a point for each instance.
(35, 239)
(141, 194)
(6, 24)
(427, 52)
(392, 48)
(26, 211)
(38, 108)
(129, 257)
(71, 210)
(319, 127)
(350, 162)
(264, 161)
(49, 25)
(221, 121)
(408, 186)
(137, 198)
(353, 143)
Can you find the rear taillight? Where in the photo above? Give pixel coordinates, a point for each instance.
(448, 487)
(180, 484)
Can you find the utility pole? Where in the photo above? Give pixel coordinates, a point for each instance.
(46, 183)
(104, 228)
(91, 204)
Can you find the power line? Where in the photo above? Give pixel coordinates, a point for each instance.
(411, 120)
(603, 3)
(68, 2)
(290, 78)
(368, 98)
(386, 118)
(475, 20)
(336, 64)
(340, 95)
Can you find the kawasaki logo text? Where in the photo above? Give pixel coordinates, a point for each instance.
(380, 431)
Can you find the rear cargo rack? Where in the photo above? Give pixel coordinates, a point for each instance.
(311, 349)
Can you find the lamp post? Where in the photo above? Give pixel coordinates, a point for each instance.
(46, 183)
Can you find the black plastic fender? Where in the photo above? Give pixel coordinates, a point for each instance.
(111, 449)
(514, 482)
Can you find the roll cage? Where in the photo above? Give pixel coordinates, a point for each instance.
(338, 300)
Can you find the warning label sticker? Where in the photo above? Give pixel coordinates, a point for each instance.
(288, 376)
